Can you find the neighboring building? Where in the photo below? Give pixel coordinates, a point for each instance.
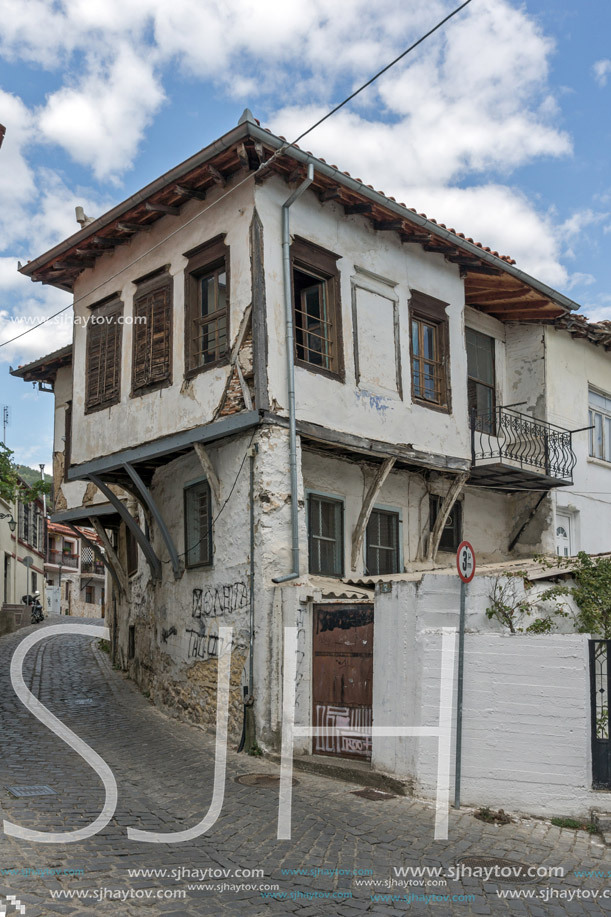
(25, 538)
(429, 406)
(76, 577)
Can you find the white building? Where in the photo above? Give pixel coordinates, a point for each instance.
(430, 404)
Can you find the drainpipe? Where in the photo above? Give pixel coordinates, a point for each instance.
(290, 366)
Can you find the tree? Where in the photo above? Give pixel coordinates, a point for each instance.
(11, 486)
(592, 594)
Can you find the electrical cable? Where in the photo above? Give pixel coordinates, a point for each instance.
(279, 152)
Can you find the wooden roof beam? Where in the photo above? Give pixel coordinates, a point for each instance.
(357, 208)
(329, 194)
(388, 225)
(196, 193)
(215, 175)
(132, 227)
(162, 208)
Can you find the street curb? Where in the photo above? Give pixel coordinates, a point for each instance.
(347, 772)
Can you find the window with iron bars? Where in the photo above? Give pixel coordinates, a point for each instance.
(207, 306)
(326, 535)
(316, 308)
(382, 543)
(429, 347)
(599, 417)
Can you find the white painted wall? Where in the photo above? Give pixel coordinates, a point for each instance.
(526, 714)
(573, 364)
(183, 404)
(372, 407)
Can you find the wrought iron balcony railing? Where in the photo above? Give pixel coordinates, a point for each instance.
(92, 566)
(61, 559)
(515, 439)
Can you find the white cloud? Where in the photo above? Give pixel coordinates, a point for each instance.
(101, 121)
(601, 70)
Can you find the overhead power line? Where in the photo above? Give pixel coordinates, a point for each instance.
(279, 152)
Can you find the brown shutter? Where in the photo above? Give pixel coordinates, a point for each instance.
(152, 337)
(103, 371)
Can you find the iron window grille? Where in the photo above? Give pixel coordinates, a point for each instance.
(316, 308)
(326, 535)
(382, 543)
(207, 306)
(198, 525)
(451, 534)
(429, 351)
(481, 380)
(599, 416)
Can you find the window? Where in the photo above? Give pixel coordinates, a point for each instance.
(451, 535)
(429, 351)
(207, 306)
(599, 416)
(382, 543)
(103, 367)
(67, 438)
(316, 308)
(89, 594)
(131, 642)
(326, 535)
(152, 335)
(33, 582)
(131, 547)
(481, 380)
(198, 525)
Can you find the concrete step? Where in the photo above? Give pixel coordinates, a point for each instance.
(348, 770)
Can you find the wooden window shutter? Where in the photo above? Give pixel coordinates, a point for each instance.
(152, 353)
(103, 371)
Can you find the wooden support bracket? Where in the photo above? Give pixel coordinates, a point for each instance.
(444, 511)
(211, 475)
(368, 504)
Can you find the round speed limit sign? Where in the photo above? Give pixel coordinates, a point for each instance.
(465, 561)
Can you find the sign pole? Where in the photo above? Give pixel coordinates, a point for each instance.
(459, 694)
(465, 564)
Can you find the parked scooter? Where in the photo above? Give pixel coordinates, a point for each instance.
(34, 601)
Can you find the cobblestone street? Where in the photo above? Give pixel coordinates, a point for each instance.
(164, 773)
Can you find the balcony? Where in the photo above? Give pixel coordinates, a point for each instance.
(62, 560)
(511, 451)
(93, 567)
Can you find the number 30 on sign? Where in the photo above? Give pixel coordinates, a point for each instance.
(465, 561)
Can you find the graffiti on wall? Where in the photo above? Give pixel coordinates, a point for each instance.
(224, 599)
(207, 604)
(355, 725)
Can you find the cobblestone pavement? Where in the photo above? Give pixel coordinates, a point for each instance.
(164, 774)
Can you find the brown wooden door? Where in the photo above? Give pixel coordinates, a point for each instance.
(342, 678)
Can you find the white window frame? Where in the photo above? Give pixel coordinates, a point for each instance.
(604, 412)
(337, 498)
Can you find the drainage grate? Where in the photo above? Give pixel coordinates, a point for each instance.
(478, 867)
(31, 791)
(261, 780)
(371, 793)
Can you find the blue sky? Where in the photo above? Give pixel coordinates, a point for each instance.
(498, 126)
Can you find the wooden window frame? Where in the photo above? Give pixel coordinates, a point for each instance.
(472, 382)
(321, 265)
(396, 516)
(157, 282)
(67, 438)
(209, 560)
(435, 502)
(339, 539)
(109, 308)
(203, 260)
(425, 309)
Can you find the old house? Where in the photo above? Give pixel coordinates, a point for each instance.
(285, 385)
(75, 572)
(22, 557)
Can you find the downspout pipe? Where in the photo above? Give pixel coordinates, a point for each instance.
(290, 367)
